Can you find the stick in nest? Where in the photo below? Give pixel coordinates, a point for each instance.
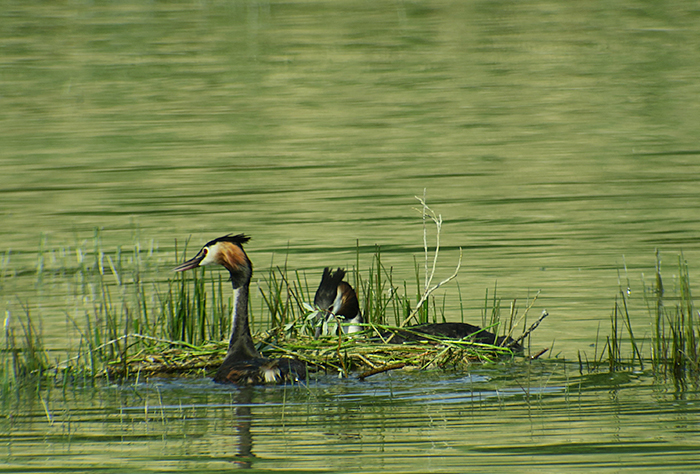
(380, 370)
(531, 328)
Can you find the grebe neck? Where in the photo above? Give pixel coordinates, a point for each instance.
(241, 346)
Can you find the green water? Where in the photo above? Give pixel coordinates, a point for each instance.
(557, 139)
(527, 418)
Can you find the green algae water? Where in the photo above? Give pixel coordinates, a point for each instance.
(531, 417)
(558, 141)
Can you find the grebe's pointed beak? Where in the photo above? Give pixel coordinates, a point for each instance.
(191, 263)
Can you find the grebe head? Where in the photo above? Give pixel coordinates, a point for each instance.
(228, 252)
(327, 292)
(336, 298)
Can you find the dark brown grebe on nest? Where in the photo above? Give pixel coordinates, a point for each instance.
(243, 364)
(339, 299)
(335, 298)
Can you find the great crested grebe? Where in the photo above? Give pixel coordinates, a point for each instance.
(243, 364)
(333, 289)
(336, 298)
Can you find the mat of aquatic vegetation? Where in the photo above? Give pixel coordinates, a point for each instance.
(345, 355)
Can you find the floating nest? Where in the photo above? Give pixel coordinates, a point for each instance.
(345, 355)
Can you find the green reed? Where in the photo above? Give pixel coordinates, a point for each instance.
(33, 358)
(286, 295)
(675, 324)
(673, 344)
(379, 296)
(124, 312)
(382, 299)
(612, 356)
(283, 297)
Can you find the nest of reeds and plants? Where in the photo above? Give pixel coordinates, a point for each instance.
(294, 324)
(365, 353)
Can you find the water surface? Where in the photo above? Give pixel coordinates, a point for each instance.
(558, 141)
(529, 417)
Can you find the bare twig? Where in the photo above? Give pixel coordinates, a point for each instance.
(380, 370)
(425, 239)
(531, 328)
(428, 289)
(527, 310)
(437, 219)
(538, 354)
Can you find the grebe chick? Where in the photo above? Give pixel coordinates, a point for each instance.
(243, 364)
(335, 298)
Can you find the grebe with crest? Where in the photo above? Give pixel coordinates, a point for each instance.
(243, 364)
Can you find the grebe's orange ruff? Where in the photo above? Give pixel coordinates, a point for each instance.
(243, 364)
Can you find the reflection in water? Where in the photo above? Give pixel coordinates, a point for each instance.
(243, 423)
